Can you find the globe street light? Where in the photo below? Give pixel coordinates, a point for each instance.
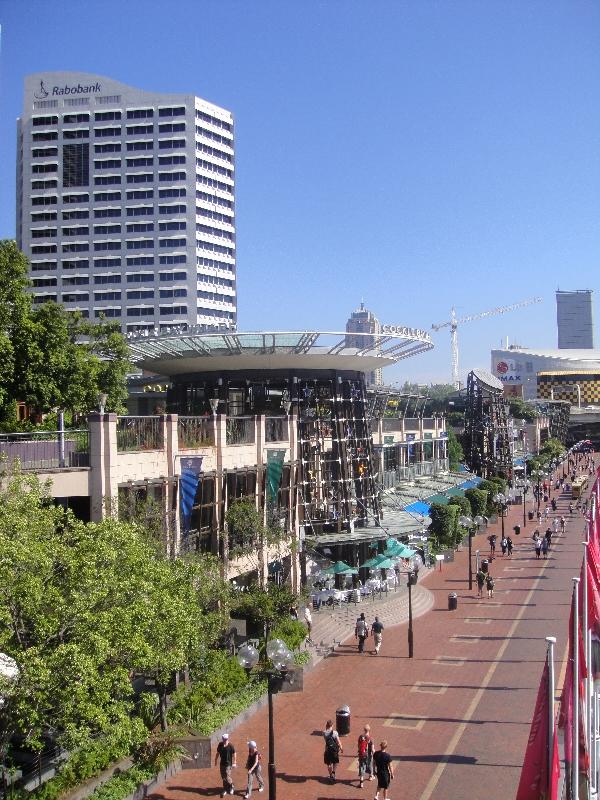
(282, 659)
(502, 501)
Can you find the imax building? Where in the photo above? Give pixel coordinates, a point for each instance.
(126, 202)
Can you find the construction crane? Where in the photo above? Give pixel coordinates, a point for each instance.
(453, 324)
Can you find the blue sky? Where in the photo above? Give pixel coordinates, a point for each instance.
(414, 154)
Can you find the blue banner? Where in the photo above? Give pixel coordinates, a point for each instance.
(188, 485)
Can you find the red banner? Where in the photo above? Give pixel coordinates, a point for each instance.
(536, 781)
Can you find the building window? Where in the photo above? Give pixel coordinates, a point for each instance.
(107, 245)
(218, 123)
(107, 312)
(140, 227)
(138, 130)
(171, 226)
(76, 198)
(49, 184)
(80, 133)
(107, 212)
(108, 163)
(43, 216)
(42, 249)
(77, 214)
(170, 161)
(106, 262)
(171, 144)
(173, 208)
(108, 99)
(107, 116)
(141, 311)
(172, 310)
(146, 161)
(168, 293)
(172, 260)
(44, 152)
(140, 194)
(103, 279)
(140, 244)
(171, 127)
(179, 192)
(143, 177)
(141, 277)
(107, 295)
(172, 276)
(76, 297)
(45, 200)
(107, 180)
(140, 294)
(177, 111)
(76, 280)
(39, 169)
(76, 164)
(45, 298)
(106, 196)
(140, 211)
(37, 121)
(109, 147)
(44, 136)
(39, 283)
(140, 113)
(171, 176)
(43, 266)
(79, 230)
(133, 146)
(110, 131)
(172, 242)
(105, 229)
(76, 118)
(76, 263)
(140, 261)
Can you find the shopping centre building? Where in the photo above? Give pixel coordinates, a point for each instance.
(551, 374)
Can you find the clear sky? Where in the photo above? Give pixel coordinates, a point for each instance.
(415, 154)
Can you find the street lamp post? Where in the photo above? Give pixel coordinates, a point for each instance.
(525, 487)
(281, 659)
(471, 525)
(502, 501)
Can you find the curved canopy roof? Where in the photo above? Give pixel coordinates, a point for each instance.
(180, 351)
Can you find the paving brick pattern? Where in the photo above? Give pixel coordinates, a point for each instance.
(457, 715)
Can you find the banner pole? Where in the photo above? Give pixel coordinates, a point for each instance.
(575, 732)
(551, 640)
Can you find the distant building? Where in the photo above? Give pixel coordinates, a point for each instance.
(575, 319)
(364, 321)
(126, 202)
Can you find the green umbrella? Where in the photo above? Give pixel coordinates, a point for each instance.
(374, 562)
(397, 551)
(340, 568)
(386, 563)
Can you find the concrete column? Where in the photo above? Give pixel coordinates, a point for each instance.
(103, 461)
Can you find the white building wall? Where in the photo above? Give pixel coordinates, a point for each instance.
(520, 367)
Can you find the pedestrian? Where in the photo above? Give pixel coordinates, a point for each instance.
(538, 548)
(361, 631)
(492, 541)
(480, 578)
(333, 748)
(253, 765)
(571, 508)
(308, 623)
(377, 631)
(549, 537)
(227, 762)
(539, 517)
(503, 545)
(489, 583)
(365, 755)
(555, 524)
(562, 524)
(382, 761)
(553, 504)
(545, 547)
(546, 512)
(509, 546)
(535, 535)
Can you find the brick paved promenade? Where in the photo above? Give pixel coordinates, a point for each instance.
(457, 716)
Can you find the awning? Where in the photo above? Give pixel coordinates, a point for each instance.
(456, 491)
(473, 483)
(442, 499)
(418, 507)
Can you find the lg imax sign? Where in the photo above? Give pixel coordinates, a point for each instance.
(56, 91)
(507, 372)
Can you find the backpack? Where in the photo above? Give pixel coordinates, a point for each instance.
(363, 745)
(332, 746)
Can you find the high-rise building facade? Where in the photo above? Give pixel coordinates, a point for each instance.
(575, 319)
(364, 321)
(126, 202)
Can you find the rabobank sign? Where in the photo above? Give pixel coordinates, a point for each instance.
(93, 88)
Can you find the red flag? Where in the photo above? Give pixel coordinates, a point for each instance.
(534, 783)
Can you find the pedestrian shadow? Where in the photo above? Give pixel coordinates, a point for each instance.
(297, 779)
(202, 792)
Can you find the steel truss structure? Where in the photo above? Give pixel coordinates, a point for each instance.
(558, 413)
(486, 440)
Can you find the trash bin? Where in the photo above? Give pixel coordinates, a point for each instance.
(342, 720)
(452, 601)
(517, 530)
(530, 515)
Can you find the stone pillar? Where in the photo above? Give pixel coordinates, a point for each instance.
(104, 490)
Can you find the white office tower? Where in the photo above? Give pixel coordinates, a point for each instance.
(575, 319)
(125, 202)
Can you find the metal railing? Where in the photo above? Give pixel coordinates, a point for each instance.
(240, 430)
(140, 433)
(46, 449)
(195, 432)
(276, 429)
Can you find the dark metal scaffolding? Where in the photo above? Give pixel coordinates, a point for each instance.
(486, 440)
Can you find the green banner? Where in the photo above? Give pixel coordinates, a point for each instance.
(274, 470)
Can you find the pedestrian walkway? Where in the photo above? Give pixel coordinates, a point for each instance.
(457, 715)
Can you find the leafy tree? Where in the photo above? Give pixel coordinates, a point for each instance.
(249, 536)
(455, 452)
(519, 409)
(478, 499)
(464, 506)
(52, 358)
(443, 523)
(83, 606)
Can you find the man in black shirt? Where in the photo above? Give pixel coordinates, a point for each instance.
(226, 754)
(382, 763)
(377, 631)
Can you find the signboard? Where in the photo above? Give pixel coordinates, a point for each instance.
(388, 439)
(509, 371)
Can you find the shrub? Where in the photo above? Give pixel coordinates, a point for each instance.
(122, 785)
(443, 523)
(292, 631)
(478, 500)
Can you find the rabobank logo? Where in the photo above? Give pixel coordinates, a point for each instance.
(93, 88)
(42, 92)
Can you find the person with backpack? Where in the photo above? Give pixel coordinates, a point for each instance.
(503, 545)
(365, 755)
(333, 748)
(253, 765)
(492, 541)
(382, 763)
(377, 631)
(226, 754)
(562, 524)
(361, 632)
(538, 547)
(509, 546)
(545, 547)
(480, 578)
(489, 582)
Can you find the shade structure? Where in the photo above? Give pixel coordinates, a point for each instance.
(418, 507)
(375, 562)
(442, 499)
(340, 568)
(385, 563)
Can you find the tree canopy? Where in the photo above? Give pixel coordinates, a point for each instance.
(51, 358)
(85, 606)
